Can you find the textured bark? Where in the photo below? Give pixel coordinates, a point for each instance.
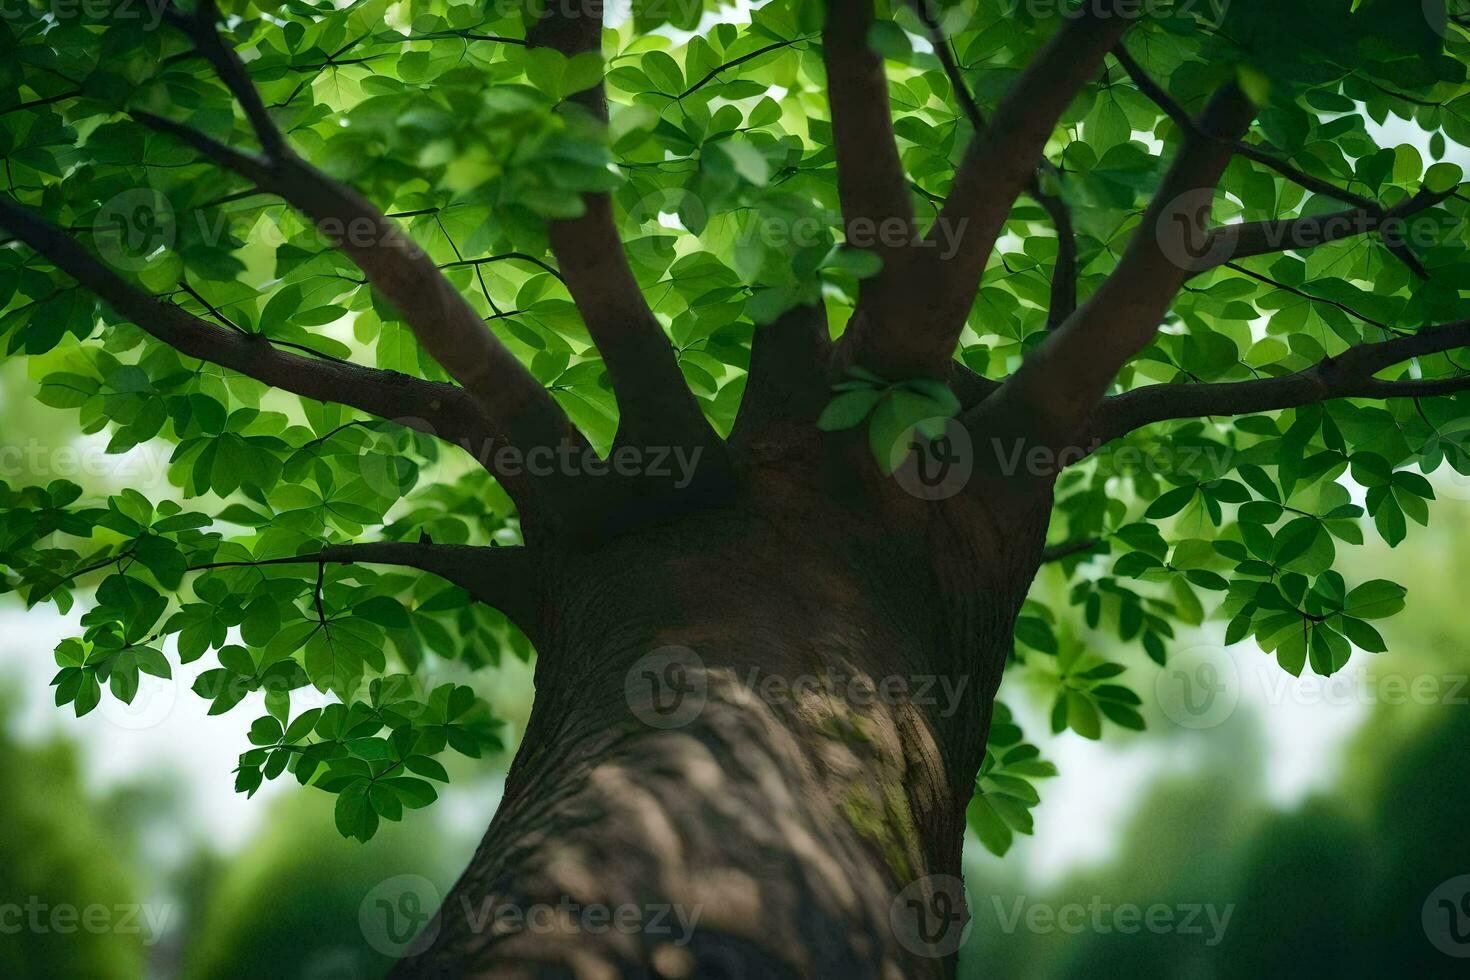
(773, 831)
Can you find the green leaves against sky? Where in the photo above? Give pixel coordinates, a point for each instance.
(719, 157)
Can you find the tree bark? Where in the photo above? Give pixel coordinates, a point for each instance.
(755, 734)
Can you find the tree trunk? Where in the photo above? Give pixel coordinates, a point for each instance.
(755, 733)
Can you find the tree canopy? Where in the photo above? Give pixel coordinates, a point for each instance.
(333, 258)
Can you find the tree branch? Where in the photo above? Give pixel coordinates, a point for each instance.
(1064, 273)
(253, 168)
(505, 578)
(655, 404)
(1364, 209)
(1348, 375)
(200, 28)
(913, 330)
(716, 71)
(520, 409)
(1061, 552)
(1310, 298)
(787, 381)
(1065, 377)
(426, 406)
(870, 176)
(1246, 240)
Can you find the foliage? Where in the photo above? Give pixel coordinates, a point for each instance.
(719, 155)
(60, 855)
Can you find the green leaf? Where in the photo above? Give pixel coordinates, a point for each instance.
(848, 409)
(1082, 715)
(1171, 503)
(1443, 177)
(354, 814)
(1377, 599)
(746, 160)
(989, 826)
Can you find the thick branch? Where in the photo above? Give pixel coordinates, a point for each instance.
(870, 176)
(200, 28)
(787, 382)
(1348, 375)
(1064, 273)
(442, 320)
(655, 404)
(914, 330)
(1240, 241)
(1061, 552)
(1060, 383)
(248, 165)
(501, 577)
(440, 409)
(1364, 209)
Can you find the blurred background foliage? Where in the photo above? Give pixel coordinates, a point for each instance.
(1330, 883)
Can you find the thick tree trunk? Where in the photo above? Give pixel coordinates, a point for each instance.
(755, 733)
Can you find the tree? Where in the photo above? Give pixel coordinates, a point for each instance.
(761, 366)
